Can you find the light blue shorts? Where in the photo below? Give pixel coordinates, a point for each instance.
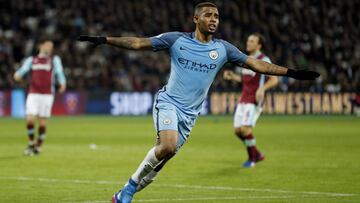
(168, 117)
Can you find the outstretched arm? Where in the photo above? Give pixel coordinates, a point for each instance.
(237, 57)
(261, 66)
(131, 43)
(273, 69)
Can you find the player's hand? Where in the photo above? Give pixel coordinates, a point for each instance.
(260, 95)
(96, 40)
(62, 89)
(228, 75)
(17, 78)
(302, 74)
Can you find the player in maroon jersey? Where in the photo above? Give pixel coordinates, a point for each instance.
(43, 69)
(249, 108)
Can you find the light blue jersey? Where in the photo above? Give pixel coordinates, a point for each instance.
(194, 66)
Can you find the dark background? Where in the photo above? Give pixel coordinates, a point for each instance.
(317, 35)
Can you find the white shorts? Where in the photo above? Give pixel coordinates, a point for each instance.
(39, 104)
(246, 114)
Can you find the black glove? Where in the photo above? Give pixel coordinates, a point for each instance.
(302, 74)
(97, 40)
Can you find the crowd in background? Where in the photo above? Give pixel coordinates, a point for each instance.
(316, 35)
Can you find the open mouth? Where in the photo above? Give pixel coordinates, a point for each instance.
(212, 27)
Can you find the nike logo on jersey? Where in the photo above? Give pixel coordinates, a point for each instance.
(182, 48)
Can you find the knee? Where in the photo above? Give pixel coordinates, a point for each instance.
(42, 122)
(30, 120)
(168, 149)
(238, 132)
(165, 150)
(243, 131)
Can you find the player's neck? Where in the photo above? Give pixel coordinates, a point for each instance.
(254, 53)
(201, 37)
(43, 55)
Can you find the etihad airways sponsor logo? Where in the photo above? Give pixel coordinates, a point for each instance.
(196, 66)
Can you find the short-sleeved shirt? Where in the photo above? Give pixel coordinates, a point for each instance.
(194, 66)
(43, 71)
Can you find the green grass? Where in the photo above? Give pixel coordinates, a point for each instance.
(308, 159)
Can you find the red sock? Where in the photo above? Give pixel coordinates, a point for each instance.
(42, 130)
(250, 143)
(30, 132)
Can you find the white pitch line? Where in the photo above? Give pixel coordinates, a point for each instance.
(223, 198)
(104, 182)
(100, 182)
(255, 190)
(207, 198)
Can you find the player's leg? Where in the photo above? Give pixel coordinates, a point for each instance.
(41, 135)
(258, 109)
(165, 147)
(165, 120)
(185, 125)
(250, 143)
(31, 112)
(45, 105)
(238, 117)
(150, 177)
(30, 123)
(254, 155)
(166, 124)
(245, 118)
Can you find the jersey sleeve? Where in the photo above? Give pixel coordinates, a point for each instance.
(234, 55)
(26, 66)
(164, 41)
(266, 59)
(58, 69)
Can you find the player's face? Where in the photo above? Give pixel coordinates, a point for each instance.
(47, 47)
(252, 44)
(207, 20)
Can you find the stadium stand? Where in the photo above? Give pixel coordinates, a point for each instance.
(319, 35)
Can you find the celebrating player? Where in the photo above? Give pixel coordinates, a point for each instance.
(249, 107)
(43, 68)
(196, 58)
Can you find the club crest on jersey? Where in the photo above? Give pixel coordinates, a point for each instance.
(213, 54)
(167, 121)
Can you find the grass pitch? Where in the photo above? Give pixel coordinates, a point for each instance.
(308, 159)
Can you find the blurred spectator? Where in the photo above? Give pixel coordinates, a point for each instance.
(319, 35)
